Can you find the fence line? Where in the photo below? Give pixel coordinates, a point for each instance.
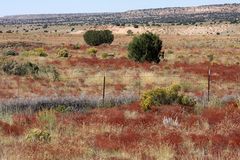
(103, 86)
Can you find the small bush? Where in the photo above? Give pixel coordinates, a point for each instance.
(50, 72)
(96, 38)
(145, 47)
(238, 102)
(36, 52)
(170, 52)
(130, 32)
(186, 101)
(38, 135)
(47, 117)
(45, 26)
(77, 46)
(9, 31)
(92, 51)
(13, 68)
(10, 53)
(40, 52)
(62, 109)
(135, 26)
(63, 52)
(165, 96)
(104, 55)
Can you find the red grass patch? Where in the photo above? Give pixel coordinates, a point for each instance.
(199, 141)
(234, 140)
(24, 119)
(12, 130)
(127, 140)
(219, 71)
(191, 120)
(117, 63)
(213, 115)
(119, 87)
(219, 142)
(174, 139)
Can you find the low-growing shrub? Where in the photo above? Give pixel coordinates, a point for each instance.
(104, 55)
(186, 100)
(41, 52)
(165, 96)
(49, 72)
(130, 32)
(38, 135)
(10, 53)
(62, 109)
(36, 52)
(77, 46)
(13, 68)
(92, 51)
(63, 52)
(48, 117)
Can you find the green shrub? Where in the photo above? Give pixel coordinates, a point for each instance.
(40, 52)
(62, 109)
(135, 26)
(186, 101)
(130, 32)
(96, 38)
(63, 52)
(77, 46)
(38, 135)
(47, 117)
(28, 53)
(92, 51)
(104, 55)
(145, 47)
(238, 101)
(165, 96)
(13, 68)
(10, 53)
(170, 52)
(50, 72)
(36, 52)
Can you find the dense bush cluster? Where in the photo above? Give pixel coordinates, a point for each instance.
(96, 38)
(28, 68)
(145, 47)
(165, 96)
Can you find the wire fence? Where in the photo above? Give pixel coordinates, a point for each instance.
(108, 85)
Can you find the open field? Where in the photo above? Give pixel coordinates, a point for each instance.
(209, 131)
(186, 60)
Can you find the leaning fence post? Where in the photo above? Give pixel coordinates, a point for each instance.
(104, 88)
(209, 83)
(139, 86)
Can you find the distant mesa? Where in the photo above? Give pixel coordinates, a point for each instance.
(182, 15)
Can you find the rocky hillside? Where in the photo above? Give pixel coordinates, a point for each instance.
(222, 12)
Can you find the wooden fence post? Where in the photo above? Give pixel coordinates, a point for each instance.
(139, 87)
(104, 88)
(209, 83)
